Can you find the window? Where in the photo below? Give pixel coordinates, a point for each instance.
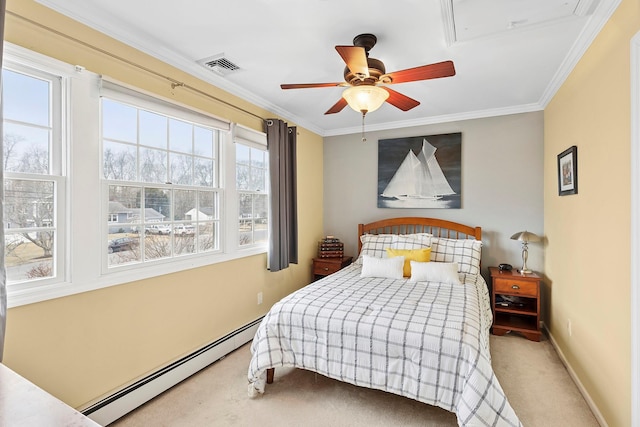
(252, 167)
(149, 183)
(34, 185)
(162, 176)
(252, 187)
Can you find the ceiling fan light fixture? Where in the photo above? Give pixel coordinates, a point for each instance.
(365, 98)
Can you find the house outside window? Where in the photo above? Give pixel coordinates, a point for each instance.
(33, 180)
(149, 182)
(162, 175)
(252, 175)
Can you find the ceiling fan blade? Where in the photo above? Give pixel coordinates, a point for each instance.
(309, 85)
(337, 107)
(424, 72)
(400, 101)
(356, 59)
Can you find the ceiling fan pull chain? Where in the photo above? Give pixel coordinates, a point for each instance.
(364, 139)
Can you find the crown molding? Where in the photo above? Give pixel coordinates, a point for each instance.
(587, 35)
(113, 29)
(123, 34)
(470, 115)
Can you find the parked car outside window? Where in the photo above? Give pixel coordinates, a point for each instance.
(158, 229)
(122, 244)
(184, 230)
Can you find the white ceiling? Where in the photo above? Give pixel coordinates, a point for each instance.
(510, 55)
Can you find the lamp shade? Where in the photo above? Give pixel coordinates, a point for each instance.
(526, 236)
(365, 99)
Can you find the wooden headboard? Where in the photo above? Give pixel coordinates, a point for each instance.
(409, 225)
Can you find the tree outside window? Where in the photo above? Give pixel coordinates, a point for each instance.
(30, 192)
(252, 166)
(170, 206)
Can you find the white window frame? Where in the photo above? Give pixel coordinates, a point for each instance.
(253, 218)
(251, 138)
(56, 75)
(121, 93)
(82, 256)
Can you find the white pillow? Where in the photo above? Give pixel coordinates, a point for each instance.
(391, 268)
(465, 252)
(443, 272)
(375, 245)
(419, 235)
(412, 241)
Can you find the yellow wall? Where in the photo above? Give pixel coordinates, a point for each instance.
(587, 260)
(84, 346)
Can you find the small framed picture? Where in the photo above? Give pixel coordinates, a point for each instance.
(568, 171)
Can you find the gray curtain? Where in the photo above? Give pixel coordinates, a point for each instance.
(3, 273)
(283, 244)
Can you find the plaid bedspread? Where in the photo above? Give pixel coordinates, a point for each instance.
(425, 341)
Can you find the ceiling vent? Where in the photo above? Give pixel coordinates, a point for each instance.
(219, 63)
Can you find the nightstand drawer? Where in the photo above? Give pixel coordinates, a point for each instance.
(515, 287)
(325, 268)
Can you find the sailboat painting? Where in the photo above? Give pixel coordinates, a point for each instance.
(420, 172)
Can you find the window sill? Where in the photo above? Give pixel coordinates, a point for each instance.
(19, 297)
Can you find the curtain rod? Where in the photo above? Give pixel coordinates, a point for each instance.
(174, 83)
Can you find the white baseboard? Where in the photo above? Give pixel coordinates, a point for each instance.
(129, 398)
(576, 380)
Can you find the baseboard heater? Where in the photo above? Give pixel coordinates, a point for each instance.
(126, 400)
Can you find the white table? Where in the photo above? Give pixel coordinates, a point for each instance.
(22, 403)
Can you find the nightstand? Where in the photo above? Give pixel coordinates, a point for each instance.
(325, 266)
(515, 301)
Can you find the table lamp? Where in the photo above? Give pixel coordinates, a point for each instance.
(525, 237)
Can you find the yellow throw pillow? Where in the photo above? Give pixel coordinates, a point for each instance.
(420, 255)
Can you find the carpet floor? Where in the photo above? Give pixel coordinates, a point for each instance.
(535, 381)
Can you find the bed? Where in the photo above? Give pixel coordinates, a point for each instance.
(409, 316)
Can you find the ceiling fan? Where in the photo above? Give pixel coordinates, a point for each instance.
(366, 77)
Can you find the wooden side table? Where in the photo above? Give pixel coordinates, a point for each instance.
(515, 301)
(325, 266)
